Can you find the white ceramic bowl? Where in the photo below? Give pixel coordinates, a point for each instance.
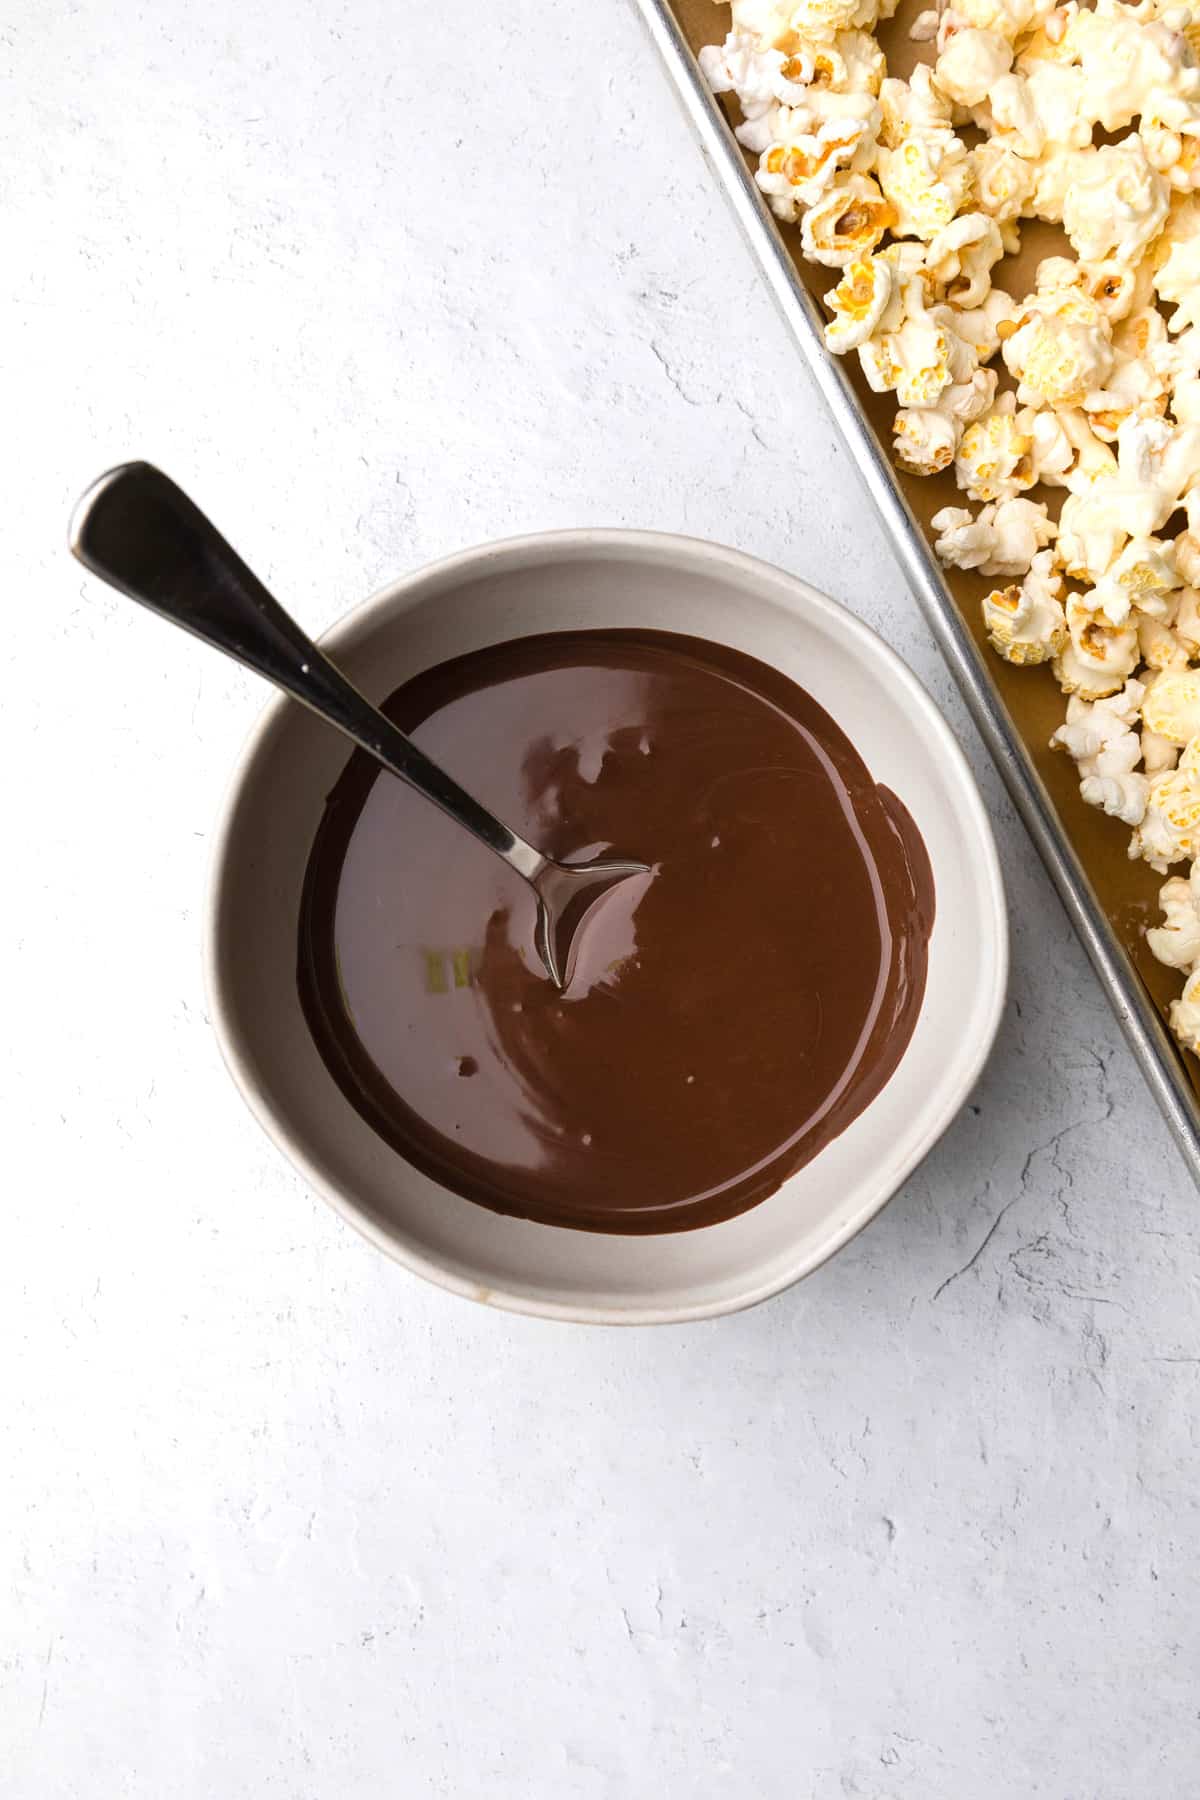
(563, 580)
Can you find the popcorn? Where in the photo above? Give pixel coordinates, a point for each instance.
(796, 174)
(1158, 646)
(1166, 651)
(1142, 337)
(1181, 359)
(1177, 270)
(1116, 204)
(1058, 275)
(913, 108)
(1173, 145)
(1139, 381)
(1172, 708)
(979, 326)
(1185, 400)
(1157, 755)
(1039, 108)
(1052, 453)
(1091, 726)
(970, 63)
(1183, 1014)
(1158, 465)
(1010, 117)
(1027, 624)
(1089, 539)
(788, 96)
(1111, 285)
(1009, 18)
(1004, 181)
(909, 288)
(1170, 830)
(1104, 352)
(1142, 577)
(1059, 348)
(1100, 738)
(767, 22)
(1002, 539)
(1056, 170)
(777, 24)
(858, 302)
(1156, 468)
(967, 400)
(1129, 64)
(925, 439)
(1098, 657)
(1049, 41)
(913, 361)
(926, 177)
(819, 20)
(1120, 796)
(916, 352)
(1095, 463)
(1187, 558)
(1176, 942)
(1185, 626)
(761, 78)
(853, 64)
(847, 222)
(994, 460)
(965, 541)
(961, 255)
(1060, 100)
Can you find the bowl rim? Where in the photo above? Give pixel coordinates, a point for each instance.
(398, 595)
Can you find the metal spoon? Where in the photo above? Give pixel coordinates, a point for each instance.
(142, 534)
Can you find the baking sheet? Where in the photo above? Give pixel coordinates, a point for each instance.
(1110, 899)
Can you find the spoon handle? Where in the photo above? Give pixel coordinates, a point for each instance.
(140, 533)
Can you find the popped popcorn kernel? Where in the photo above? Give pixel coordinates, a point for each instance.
(1026, 624)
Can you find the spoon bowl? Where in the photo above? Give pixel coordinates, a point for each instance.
(567, 896)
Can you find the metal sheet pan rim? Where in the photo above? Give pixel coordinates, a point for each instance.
(1136, 1013)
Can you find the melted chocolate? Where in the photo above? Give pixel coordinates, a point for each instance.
(729, 1013)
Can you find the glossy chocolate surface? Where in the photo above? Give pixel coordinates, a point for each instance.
(729, 1014)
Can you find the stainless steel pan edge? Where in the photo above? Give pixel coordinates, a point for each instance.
(1144, 1030)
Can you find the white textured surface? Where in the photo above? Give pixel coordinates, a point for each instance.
(377, 281)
